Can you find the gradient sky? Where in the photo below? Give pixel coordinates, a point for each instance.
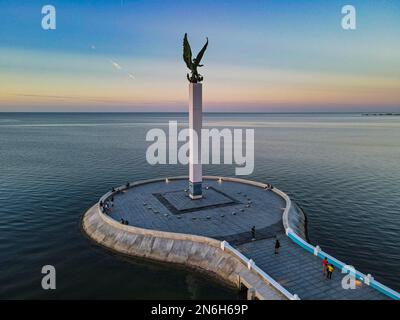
(273, 56)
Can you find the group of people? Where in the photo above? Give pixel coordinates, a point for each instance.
(125, 222)
(268, 186)
(327, 268)
(107, 205)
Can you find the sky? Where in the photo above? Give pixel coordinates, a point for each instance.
(263, 56)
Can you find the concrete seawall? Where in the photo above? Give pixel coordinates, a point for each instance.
(161, 218)
(193, 251)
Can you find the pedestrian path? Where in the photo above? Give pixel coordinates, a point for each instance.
(227, 212)
(301, 272)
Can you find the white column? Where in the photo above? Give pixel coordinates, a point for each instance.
(195, 125)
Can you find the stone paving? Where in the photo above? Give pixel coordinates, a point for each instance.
(229, 208)
(178, 202)
(301, 273)
(228, 212)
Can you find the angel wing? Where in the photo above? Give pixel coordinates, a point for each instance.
(187, 52)
(200, 55)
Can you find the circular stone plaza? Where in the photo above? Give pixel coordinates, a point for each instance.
(156, 219)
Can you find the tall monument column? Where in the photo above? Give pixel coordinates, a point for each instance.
(195, 117)
(195, 125)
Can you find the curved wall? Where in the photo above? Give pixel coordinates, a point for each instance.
(205, 253)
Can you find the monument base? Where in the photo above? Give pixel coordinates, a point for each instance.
(195, 190)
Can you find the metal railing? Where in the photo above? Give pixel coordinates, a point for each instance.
(316, 250)
(224, 245)
(252, 266)
(367, 279)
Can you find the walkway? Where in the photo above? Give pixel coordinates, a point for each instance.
(300, 272)
(227, 212)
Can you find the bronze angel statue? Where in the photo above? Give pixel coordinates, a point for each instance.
(193, 64)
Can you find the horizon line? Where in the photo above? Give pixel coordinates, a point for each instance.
(219, 112)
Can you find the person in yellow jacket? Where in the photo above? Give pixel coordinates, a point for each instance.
(329, 271)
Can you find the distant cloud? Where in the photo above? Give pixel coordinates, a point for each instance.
(59, 97)
(99, 99)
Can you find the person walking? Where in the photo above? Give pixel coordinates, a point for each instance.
(329, 271)
(277, 245)
(324, 266)
(253, 233)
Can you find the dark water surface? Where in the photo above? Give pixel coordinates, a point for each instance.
(343, 170)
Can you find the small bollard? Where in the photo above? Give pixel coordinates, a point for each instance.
(250, 264)
(368, 279)
(223, 244)
(251, 294)
(295, 297)
(317, 249)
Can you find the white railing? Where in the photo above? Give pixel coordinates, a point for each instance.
(285, 214)
(316, 250)
(367, 279)
(252, 266)
(224, 245)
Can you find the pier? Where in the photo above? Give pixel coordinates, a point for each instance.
(214, 234)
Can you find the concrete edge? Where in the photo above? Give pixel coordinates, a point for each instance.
(224, 264)
(192, 251)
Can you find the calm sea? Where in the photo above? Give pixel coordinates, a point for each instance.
(342, 169)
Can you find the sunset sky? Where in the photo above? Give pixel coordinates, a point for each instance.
(272, 56)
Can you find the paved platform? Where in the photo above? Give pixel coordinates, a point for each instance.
(227, 212)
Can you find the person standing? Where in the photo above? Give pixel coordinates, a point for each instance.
(277, 245)
(253, 233)
(324, 266)
(329, 271)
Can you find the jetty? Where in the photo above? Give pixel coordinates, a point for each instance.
(156, 219)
